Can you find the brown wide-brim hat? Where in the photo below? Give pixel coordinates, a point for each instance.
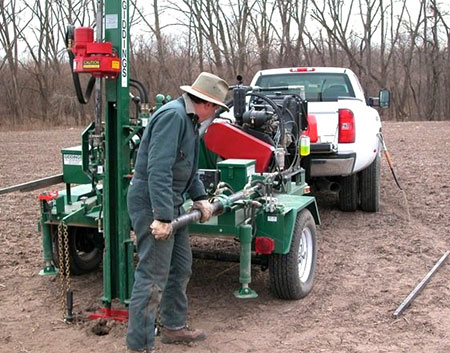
(210, 88)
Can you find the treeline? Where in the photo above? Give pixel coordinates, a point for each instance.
(388, 43)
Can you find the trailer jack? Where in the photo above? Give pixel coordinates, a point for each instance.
(245, 237)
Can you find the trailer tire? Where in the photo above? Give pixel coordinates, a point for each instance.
(348, 193)
(292, 274)
(370, 187)
(85, 251)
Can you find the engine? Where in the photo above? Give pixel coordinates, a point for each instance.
(268, 126)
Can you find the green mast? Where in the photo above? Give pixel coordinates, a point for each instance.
(118, 256)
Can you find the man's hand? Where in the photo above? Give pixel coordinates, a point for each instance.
(205, 208)
(161, 230)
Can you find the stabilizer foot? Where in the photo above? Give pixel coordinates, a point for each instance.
(49, 270)
(245, 293)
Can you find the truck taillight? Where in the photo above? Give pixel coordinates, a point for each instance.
(346, 126)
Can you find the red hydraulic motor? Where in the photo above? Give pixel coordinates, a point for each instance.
(96, 58)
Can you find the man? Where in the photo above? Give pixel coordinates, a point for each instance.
(166, 169)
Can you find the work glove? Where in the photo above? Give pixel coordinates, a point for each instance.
(205, 208)
(161, 230)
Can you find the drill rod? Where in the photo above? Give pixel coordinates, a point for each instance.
(218, 208)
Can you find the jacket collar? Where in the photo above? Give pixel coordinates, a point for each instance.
(190, 111)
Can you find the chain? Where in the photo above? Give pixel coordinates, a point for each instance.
(66, 255)
(61, 269)
(64, 264)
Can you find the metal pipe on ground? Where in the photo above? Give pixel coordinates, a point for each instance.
(34, 185)
(404, 305)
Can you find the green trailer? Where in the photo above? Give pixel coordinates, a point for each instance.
(267, 209)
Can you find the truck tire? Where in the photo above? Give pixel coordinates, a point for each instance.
(370, 187)
(292, 274)
(85, 249)
(348, 193)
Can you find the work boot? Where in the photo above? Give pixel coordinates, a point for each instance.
(184, 335)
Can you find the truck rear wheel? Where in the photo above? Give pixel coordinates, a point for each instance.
(85, 249)
(292, 274)
(370, 187)
(348, 193)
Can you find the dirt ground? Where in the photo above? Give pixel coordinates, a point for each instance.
(367, 265)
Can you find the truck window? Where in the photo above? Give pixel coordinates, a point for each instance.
(319, 87)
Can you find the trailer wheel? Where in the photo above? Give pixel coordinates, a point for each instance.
(370, 187)
(348, 193)
(85, 249)
(292, 274)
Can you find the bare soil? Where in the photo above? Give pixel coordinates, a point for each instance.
(368, 263)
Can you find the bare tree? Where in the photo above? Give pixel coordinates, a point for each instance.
(261, 23)
(393, 26)
(445, 56)
(284, 9)
(235, 36)
(10, 31)
(383, 40)
(163, 74)
(299, 15)
(44, 50)
(222, 29)
(290, 36)
(369, 9)
(406, 54)
(435, 68)
(336, 20)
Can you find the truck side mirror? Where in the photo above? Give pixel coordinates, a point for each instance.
(384, 98)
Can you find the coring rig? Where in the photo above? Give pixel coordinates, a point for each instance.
(249, 163)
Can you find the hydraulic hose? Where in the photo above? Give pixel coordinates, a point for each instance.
(141, 88)
(276, 109)
(82, 98)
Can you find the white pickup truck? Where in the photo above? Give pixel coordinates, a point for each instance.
(344, 131)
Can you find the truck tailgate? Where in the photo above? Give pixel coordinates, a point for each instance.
(327, 120)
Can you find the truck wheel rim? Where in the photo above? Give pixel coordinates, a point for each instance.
(305, 255)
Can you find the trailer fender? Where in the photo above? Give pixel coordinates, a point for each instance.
(280, 226)
(312, 207)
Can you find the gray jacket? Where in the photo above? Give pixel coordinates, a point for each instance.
(168, 160)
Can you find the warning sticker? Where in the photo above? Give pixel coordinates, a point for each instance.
(91, 64)
(72, 159)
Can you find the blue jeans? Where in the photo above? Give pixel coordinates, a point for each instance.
(161, 278)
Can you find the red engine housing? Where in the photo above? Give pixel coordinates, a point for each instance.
(230, 142)
(96, 58)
